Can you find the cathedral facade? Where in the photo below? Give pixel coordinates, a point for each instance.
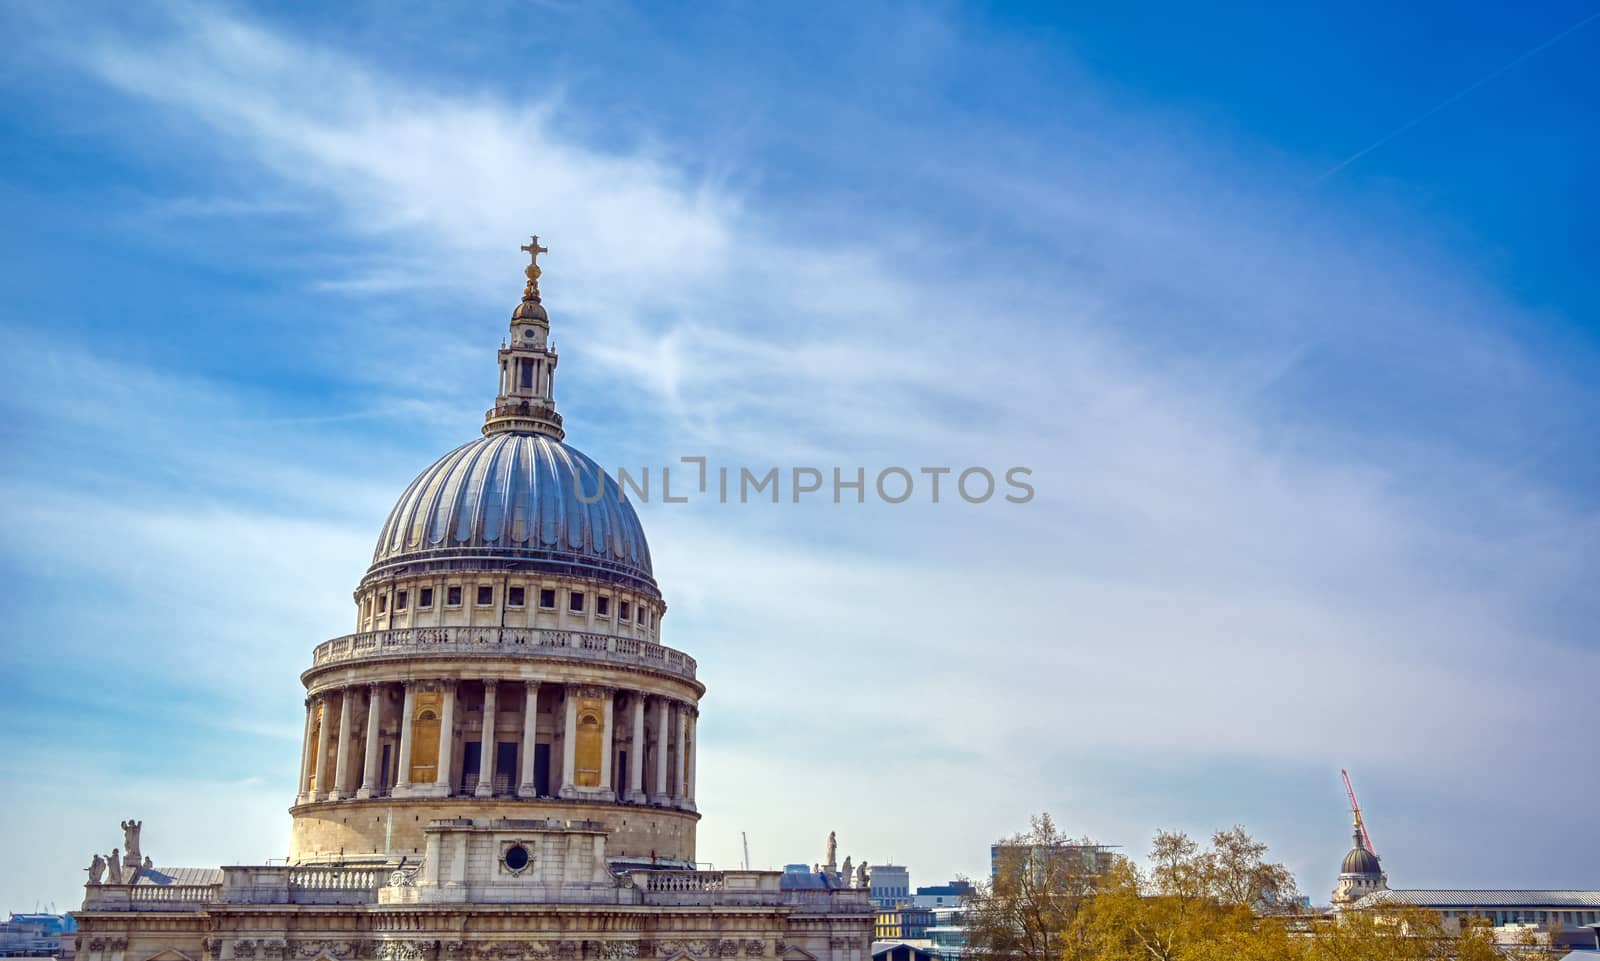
(499, 763)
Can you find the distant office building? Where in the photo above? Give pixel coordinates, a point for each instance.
(1536, 908)
(948, 933)
(942, 895)
(37, 936)
(1095, 858)
(904, 923)
(890, 884)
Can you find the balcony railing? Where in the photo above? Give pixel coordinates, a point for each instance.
(513, 641)
(743, 888)
(150, 897)
(369, 883)
(318, 878)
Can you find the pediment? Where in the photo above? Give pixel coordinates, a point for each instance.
(170, 954)
(794, 953)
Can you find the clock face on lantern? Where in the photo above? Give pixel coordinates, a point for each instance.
(529, 334)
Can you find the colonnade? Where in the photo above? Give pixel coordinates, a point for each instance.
(658, 727)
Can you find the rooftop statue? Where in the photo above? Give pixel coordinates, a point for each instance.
(115, 864)
(130, 837)
(96, 869)
(833, 849)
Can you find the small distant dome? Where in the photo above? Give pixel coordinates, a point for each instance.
(515, 501)
(1360, 861)
(530, 310)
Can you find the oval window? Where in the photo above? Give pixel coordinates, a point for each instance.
(517, 857)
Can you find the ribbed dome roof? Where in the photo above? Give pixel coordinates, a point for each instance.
(511, 501)
(1360, 861)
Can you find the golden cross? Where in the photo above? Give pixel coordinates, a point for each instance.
(533, 250)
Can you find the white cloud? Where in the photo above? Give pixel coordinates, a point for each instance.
(1201, 576)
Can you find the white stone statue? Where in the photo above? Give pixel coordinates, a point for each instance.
(847, 871)
(862, 877)
(114, 863)
(148, 864)
(96, 869)
(833, 849)
(130, 838)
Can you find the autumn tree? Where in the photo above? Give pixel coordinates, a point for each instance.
(1194, 904)
(1056, 899)
(1230, 902)
(1040, 880)
(1238, 873)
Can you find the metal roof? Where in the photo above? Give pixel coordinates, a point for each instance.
(807, 881)
(519, 501)
(1448, 898)
(166, 876)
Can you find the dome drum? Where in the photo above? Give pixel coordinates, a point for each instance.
(479, 560)
(523, 648)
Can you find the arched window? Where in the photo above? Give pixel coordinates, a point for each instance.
(425, 743)
(589, 745)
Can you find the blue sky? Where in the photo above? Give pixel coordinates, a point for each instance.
(1288, 311)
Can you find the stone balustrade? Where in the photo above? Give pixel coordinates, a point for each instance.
(743, 888)
(839, 901)
(369, 884)
(337, 878)
(254, 884)
(512, 641)
(681, 880)
(150, 897)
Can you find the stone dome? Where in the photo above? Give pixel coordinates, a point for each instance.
(516, 501)
(1360, 861)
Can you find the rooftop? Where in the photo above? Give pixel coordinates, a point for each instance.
(1514, 898)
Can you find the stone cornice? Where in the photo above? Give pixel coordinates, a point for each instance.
(508, 642)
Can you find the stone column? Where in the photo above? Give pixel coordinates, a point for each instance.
(530, 740)
(321, 759)
(369, 764)
(636, 753)
(677, 762)
(607, 736)
(341, 767)
(447, 740)
(486, 743)
(692, 717)
(302, 795)
(569, 743)
(663, 789)
(402, 777)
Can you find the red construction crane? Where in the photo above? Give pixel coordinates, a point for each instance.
(1355, 809)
